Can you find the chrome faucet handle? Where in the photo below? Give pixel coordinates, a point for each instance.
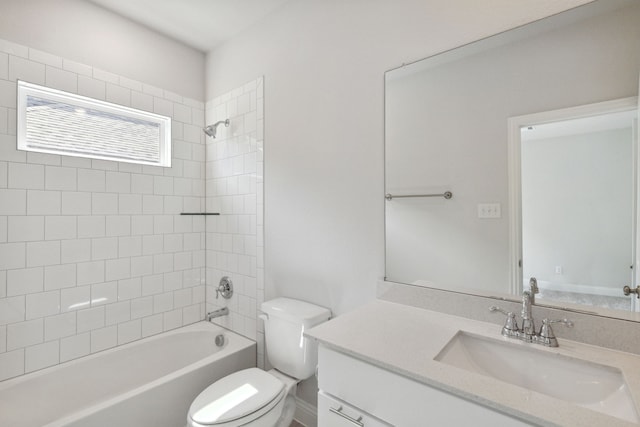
(496, 308)
(568, 323)
(225, 288)
(510, 327)
(547, 337)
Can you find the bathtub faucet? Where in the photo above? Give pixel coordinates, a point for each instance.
(217, 313)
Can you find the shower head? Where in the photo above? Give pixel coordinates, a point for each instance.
(211, 129)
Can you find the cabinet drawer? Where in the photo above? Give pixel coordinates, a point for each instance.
(399, 400)
(333, 412)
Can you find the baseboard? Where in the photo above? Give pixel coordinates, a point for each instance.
(581, 289)
(306, 413)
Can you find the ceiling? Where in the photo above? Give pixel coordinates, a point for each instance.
(201, 24)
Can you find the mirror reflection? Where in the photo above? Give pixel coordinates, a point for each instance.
(577, 215)
(534, 133)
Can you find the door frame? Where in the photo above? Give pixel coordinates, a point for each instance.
(515, 124)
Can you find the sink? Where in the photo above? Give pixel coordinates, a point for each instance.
(591, 385)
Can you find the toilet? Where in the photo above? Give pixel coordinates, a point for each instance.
(253, 397)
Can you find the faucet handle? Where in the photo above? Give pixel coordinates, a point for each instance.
(496, 308)
(225, 288)
(533, 285)
(568, 323)
(547, 337)
(510, 325)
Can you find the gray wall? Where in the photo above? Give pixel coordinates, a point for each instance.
(577, 213)
(81, 31)
(323, 64)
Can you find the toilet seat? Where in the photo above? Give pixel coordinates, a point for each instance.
(237, 399)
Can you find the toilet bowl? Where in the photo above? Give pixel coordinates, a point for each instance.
(253, 397)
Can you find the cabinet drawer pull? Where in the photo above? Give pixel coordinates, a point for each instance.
(338, 411)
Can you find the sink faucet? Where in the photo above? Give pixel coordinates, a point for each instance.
(528, 300)
(528, 331)
(533, 289)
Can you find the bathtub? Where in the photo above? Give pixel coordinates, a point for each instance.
(147, 383)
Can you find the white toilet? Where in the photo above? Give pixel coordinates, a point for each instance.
(253, 397)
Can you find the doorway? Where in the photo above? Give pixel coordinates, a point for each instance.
(577, 203)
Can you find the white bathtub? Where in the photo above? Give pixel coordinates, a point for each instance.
(148, 383)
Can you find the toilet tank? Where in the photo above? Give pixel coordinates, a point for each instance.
(285, 321)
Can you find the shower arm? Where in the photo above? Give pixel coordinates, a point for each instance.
(212, 129)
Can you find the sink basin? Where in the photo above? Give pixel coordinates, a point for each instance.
(590, 385)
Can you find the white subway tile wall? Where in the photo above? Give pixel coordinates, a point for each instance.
(94, 253)
(234, 187)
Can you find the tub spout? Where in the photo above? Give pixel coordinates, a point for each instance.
(217, 313)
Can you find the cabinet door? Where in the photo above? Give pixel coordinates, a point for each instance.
(333, 412)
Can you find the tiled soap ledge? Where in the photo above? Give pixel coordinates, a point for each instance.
(199, 213)
(617, 334)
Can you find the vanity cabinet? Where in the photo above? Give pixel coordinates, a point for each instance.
(351, 388)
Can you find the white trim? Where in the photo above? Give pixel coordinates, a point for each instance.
(306, 413)
(635, 303)
(515, 204)
(513, 150)
(25, 89)
(634, 226)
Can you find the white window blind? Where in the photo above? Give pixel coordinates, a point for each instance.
(57, 122)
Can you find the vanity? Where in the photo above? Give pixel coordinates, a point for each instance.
(392, 364)
(350, 395)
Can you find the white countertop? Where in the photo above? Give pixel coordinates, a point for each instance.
(405, 340)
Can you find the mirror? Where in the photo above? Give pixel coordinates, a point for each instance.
(450, 122)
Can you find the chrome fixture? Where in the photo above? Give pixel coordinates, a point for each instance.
(225, 288)
(547, 337)
(356, 421)
(528, 332)
(533, 289)
(220, 340)
(447, 195)
(528, 300)
(217, 313)
(628, 291)
(211, 129)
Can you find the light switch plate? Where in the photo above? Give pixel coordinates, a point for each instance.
(489, 210)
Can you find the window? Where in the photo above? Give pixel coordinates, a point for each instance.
(57, 122)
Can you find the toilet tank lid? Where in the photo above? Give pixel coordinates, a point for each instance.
(294, 310)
